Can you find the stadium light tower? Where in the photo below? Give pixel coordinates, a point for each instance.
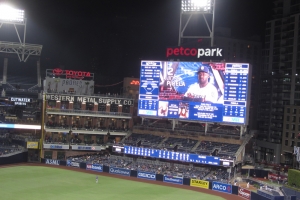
(16, 17)
(196, 8)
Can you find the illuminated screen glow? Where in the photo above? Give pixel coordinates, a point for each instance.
(171, 155)
(202, 91)
(196, 5)
(21, 126)
(10, 14)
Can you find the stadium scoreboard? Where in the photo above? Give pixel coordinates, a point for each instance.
(171, 155)
(164, 85)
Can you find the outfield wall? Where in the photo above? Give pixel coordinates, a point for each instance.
(209, 185)
(14, 159)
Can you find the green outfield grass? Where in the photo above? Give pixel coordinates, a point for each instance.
(43, 183)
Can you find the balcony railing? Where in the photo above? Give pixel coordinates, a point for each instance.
(86, 112)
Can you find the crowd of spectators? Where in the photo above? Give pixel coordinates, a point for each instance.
(153, 166)
(187, 145)
(220, 174)
(7, 146)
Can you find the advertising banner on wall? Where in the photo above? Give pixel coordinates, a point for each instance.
(222, 187)
(199, 183)
(71, 163)
(87, 148)
(119, 171)
(94, 167)
(69, 86)
(246, 194)
(173, 179)
(146, 175)
(55, 146)
(32, 145)
(52, 162)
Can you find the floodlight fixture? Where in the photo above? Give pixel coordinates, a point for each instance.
(11, 15)
(203, 6)
(197, 8)
(16, 17)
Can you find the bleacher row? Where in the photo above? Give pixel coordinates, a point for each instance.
(223, 150)
(155, 166)
(7, 147)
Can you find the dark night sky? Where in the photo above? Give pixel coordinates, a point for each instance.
(114, 35)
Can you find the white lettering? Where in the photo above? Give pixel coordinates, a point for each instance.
(209, 52)
(52, 162)
(145, 175)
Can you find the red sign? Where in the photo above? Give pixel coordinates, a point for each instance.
(71, 73)
(181, 51)
(246, 194)
(133, 82)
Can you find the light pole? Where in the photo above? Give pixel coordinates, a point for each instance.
(16, 17)
(190, 8)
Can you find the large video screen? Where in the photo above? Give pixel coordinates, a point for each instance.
(203, 91)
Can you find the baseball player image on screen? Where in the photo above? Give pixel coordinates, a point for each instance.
(203, 90)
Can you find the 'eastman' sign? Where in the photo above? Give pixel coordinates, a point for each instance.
(84, 99)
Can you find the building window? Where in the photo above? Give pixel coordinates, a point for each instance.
(286, 143)
(294, 118)
(293, 127)
(293, 135)
(288, 110)
(292, 143)
(286, 134)
(287, 118)
(287, 126)
(295, 111)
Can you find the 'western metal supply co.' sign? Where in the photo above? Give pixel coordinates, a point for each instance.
(84, 99)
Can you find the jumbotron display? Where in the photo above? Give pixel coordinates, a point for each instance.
(203, 91)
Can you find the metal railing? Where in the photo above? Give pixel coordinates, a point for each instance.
(87, 112)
